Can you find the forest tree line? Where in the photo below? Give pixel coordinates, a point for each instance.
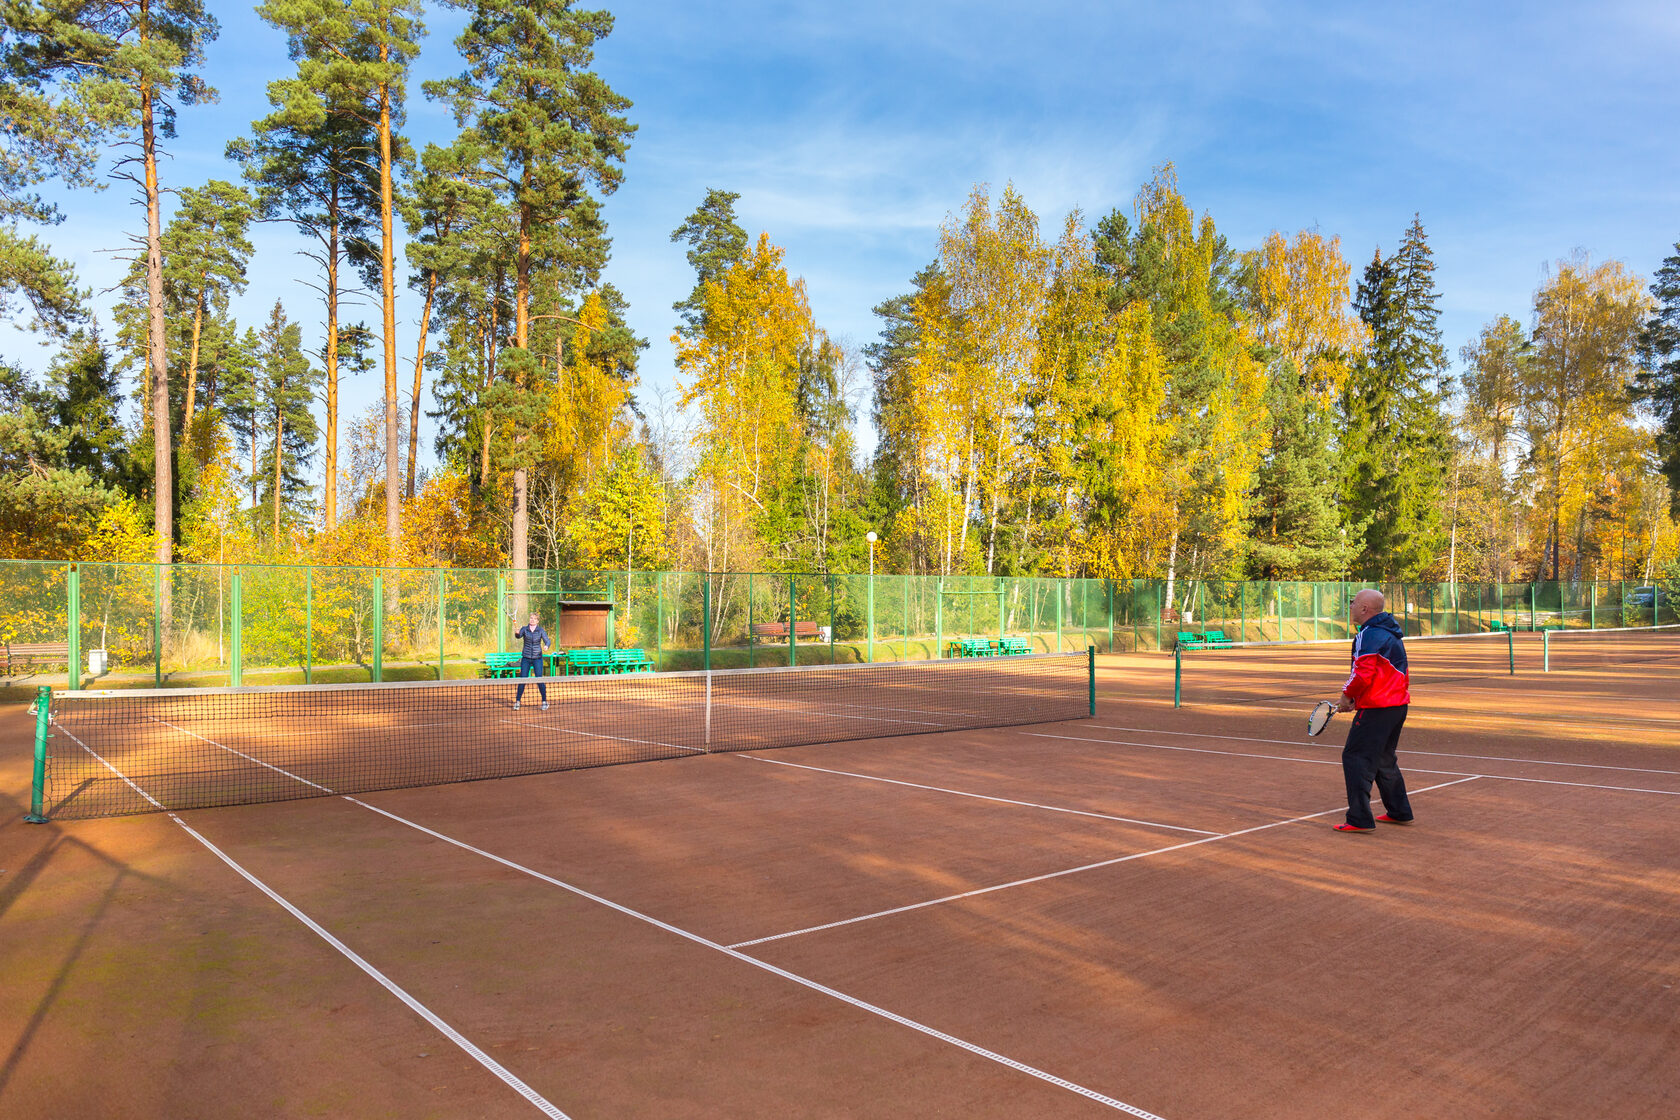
(1119, 397)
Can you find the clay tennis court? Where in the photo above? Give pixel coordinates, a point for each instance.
(1142, 913)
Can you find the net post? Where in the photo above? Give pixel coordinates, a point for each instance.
(1091, 676)
(793, 653)
(708, 701)
(1178, 676)
(706, 640)
(378, 629)
(236, 648)
(1511, 649)
(38, 785)
(73, 603)
(309, 625)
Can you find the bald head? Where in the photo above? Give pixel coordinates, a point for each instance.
(1367, 603)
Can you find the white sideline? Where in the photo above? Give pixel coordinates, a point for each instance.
(507, 1077)
(1067, 871)
(1332, 762)
(1409, 751)
(978, 796)
(727, 950)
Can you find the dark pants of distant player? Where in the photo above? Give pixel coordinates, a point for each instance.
(1368, 756)
(533, 667)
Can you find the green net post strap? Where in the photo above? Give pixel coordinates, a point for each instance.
(38, 787)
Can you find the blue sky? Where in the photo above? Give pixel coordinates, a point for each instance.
(1520, 132)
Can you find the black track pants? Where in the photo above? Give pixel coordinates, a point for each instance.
(1369, 756)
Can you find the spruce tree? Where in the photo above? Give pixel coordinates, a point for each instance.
(1396, 435)
(1658, 383)
(1297, 530)
(283, 390)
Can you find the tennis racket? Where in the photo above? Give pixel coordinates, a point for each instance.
(1320, 717)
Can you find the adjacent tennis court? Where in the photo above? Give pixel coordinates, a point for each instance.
(935, 890)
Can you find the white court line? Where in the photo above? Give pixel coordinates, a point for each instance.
(977, 796)
(594, 735)
(731, 951)
(1408, 750)
(529, 1093)
(1329, 762)
(1067, 871)
(507, 1077)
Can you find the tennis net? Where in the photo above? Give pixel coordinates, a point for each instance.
(114, 752)
(1588, 650)
(1236, 672)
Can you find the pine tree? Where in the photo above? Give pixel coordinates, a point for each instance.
(136, 65)
(1658, 383)
(556, 130)
(716, 242)
(314, 163)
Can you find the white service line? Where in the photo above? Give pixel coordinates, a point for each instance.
(978, 796)
(732, 951)
(1330, 762)
(594, 735)
(1409, 751)
(1066, 871)
(507, 1077)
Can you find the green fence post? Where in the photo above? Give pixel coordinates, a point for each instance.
(157, 625)
(1315, 588)
(658, 619)
(1108, 584)
(793, 652)
(904, 654)
(1178, 676)
(612, 610)
(706, 622)
(309, 625)
(831, 618)
(1242, 614)
(1091, 675)
(751, 638)
(378, 629)
(38, 785)
(939, 618)
(869, 611)
(236, 645)
(441, 619)
(1160, 605)
(1511, 650)
(501, 614)
(1061, 590)
(73, 612)
(1533, 605)
(1592, 605)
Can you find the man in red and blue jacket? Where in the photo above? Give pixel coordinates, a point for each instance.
(1378, 690)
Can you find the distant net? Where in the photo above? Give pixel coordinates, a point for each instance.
(1606, 650)
(116, 752)
(1314, 671)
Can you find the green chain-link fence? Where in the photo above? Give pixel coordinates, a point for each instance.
(260, 623)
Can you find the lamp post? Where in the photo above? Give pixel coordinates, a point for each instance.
(871, 538)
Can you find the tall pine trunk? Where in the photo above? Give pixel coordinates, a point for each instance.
(388, 295)
(519, 546)
(331, 481)
(419, 368)
(157, 355)
(192, 366)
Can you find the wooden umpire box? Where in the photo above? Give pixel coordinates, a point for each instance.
(583, 624)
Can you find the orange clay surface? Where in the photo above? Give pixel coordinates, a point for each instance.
(1147, 909)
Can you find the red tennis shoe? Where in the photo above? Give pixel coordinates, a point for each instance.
(1354, 828)
(1386, 819)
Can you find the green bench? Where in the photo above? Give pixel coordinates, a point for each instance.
(1211, 639)
(970, 647)
(1215, 638)
(501, 664)
(598, 662)
(1013, 646)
